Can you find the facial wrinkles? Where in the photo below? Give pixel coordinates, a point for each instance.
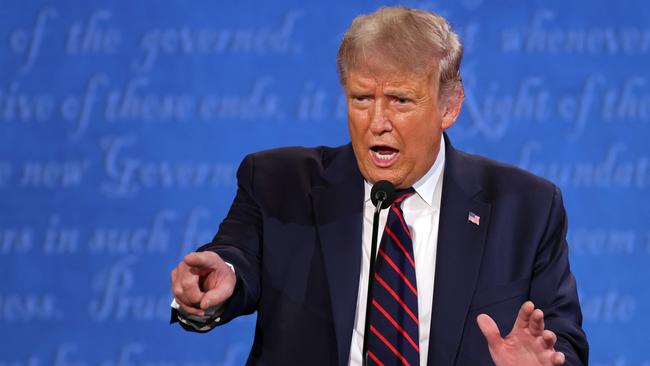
(398, 111)
(382, 108)
(390, 91)
(384, 114)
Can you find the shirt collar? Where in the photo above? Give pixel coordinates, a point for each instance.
(425, 186)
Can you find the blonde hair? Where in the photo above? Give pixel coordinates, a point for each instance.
(410, 40)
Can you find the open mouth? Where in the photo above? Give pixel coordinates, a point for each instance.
(383, 155)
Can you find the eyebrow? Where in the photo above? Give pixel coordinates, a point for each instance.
(407, 94)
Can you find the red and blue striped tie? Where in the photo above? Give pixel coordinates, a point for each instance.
(394, 337)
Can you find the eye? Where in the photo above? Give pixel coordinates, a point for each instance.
(401, 100)
(360, 98)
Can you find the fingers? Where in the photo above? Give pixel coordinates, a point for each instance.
(525, 312)
(536, 323)
(549, 339)
(177, 288)
(219, 294)
(191, 292)
(558, 358)
(528, 336)
(186, 290)
(489, 329)
(204, 260)
(202, 280)
(190, 309)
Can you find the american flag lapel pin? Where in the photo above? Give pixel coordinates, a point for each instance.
(473, 218)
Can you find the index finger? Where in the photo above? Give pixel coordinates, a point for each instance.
(202, 259)
(525, 312)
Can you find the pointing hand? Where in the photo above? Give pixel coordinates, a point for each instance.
(201, 281)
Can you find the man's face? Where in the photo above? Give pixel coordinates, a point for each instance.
(395, 124)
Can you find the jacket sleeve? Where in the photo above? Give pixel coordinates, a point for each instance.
(238, 242)
(553, 287)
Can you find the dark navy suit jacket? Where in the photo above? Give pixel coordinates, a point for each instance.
(293, 234)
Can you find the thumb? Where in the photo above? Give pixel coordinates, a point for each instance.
(489, 329)
(223, 289)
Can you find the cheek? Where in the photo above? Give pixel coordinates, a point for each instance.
(419, 138)
(356, 126)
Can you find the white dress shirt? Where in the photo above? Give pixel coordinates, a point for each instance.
(421, 213)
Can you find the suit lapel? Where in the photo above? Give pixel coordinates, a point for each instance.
(458, 258)
(338, 210)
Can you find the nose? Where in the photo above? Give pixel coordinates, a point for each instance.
(379, 121)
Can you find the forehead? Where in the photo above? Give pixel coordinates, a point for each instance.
(369, 78)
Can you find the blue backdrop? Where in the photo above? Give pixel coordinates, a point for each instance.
(122, 125)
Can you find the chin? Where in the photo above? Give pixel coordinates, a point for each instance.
(377, 176)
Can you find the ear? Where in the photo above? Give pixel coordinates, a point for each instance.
(452, 105)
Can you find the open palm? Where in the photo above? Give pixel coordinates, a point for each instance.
(527, 344)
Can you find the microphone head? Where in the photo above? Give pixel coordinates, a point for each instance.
(382, 190)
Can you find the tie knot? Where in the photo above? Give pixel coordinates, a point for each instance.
(402, 194)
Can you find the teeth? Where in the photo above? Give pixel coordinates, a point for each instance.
(384, 156)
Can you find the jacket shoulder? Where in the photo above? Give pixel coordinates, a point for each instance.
(297, 156)
(501, 179)
(285, 176)
(294, 162)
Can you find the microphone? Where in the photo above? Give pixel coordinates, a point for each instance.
(384, 192)
(382, 195)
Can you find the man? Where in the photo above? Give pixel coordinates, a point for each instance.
(468, 244)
